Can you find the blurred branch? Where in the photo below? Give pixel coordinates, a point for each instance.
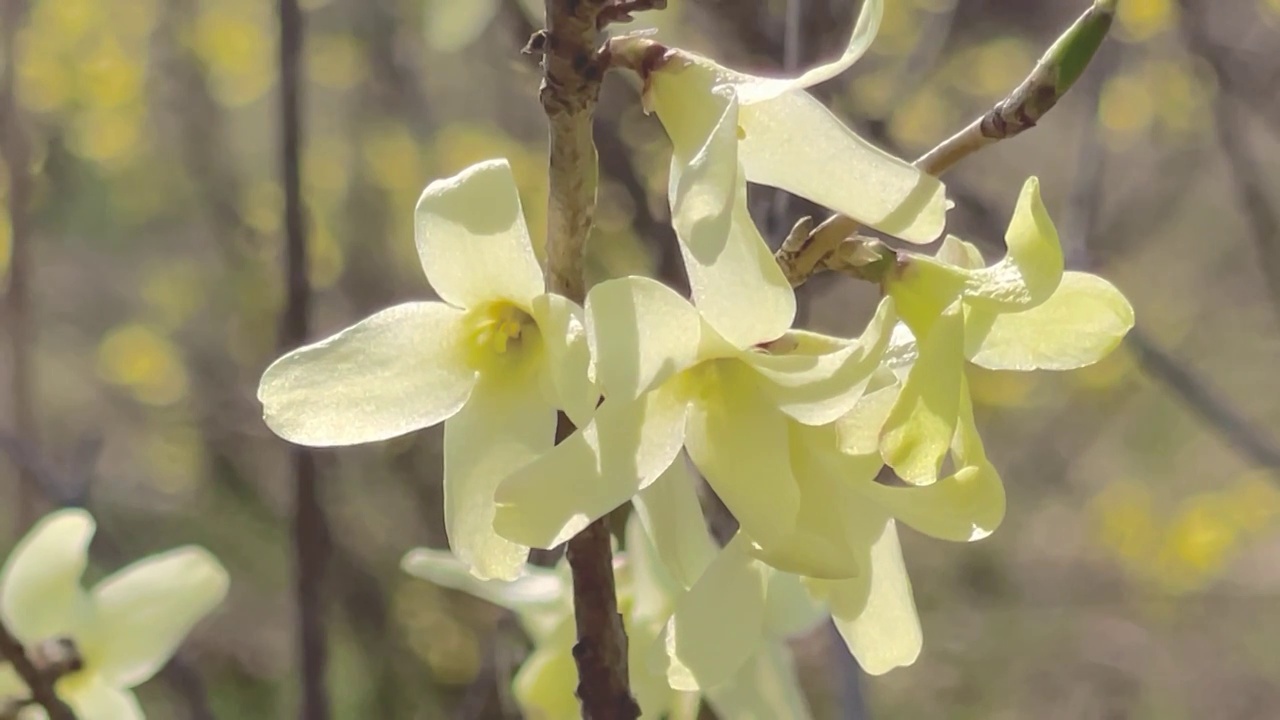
(1247, 177)
(40, 680)
(16, 153)
(803, 253)
(310, 528)
(572, 72)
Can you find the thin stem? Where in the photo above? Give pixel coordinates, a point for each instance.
(40, 682)
(572, 70)
(310, 527)
(21, 330)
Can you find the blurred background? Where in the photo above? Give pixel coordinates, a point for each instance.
(1136, 575)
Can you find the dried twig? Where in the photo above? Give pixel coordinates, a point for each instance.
(573, 67)
(310, 530)
(801, 256)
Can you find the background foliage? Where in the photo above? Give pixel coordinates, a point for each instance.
(1135, 574)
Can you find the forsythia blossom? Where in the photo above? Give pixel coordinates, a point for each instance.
(493, 361)
(124, 630)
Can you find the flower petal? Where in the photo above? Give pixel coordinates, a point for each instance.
(919, 429)
(400, 370)
(790, 609)
(1032, 269)
(142, 613)
(568, 355)
(858, 431)
(40, 593)
(765, 687)
(507, 424)
(535, 588)
(719, 623)
(473, 241)
(818, 389)
(885, 633)
(544, 686)
(95, 698)
(627, 445)
(1083, 321)
(672, 518)
(642, 332)
(795, 143)
(740, 444)
(757, 89)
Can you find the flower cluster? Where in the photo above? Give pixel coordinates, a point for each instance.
(819, 446)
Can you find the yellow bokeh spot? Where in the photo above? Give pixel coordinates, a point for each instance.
(63, 23)
(261, 205)
(392, 158)
(1126, 107)
(996, 66)
(1271, 5)
(108, 77)
(174, 292)
(899, 30)
(237, 52)
(1139, 20)
(107, 136)
(1125, 522)
(922, 120)
(325, 260)
(1202, 534)
(145, 362)
(335, 61)
(46, 83)
(6, 243)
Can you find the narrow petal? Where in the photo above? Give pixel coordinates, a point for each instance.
(886, 633)
(142, 613)
(740, 444)
(1032, 269)
(568, 355)
(642, 333)
(40, 593)
(858, 430)
(963, 507)
(756, 89)
(672, 518)
(816, 389)
(794, 143)
(919, 429)
(535, 588)
(400, 370)
(506, 424)
(95, 698)
(1083, 321)
(627, 445)
(718, 625)
(703, 185)
(473, 241)
(765, 688)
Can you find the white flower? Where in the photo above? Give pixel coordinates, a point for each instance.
(125, 629)
(493, 361)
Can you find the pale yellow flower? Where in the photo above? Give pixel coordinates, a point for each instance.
(125, 629)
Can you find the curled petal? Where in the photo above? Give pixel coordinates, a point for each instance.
(740, 444)
(919, 429)
(719, 623)
(794, 143)
(884, 633)
(963, 507)
(627, 445)
(400, 370)
(473, 241)
(568, 355)
(142, 613)
(1083, 321)
(40, 593)
(506, 424)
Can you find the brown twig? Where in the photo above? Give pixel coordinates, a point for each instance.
(21, 330)
(573, 67)
(801, 256)
(40, 678)
(310, 529)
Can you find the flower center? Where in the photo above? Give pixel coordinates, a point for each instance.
(499, 328)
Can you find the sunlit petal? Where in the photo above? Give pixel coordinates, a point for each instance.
(536, 587)
(1083, 321)
(568, 355)
(1031, 270)
(790, 609)
(885, 633)
(858, 431)
(718, 624)
(93, 697)
(40, 593)
(142, 613)
(766, 687)
(473, 241)
(672, 517)
(395, 372)
(919, 429)
(505, 425)
(627, 445)
(740, 444)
